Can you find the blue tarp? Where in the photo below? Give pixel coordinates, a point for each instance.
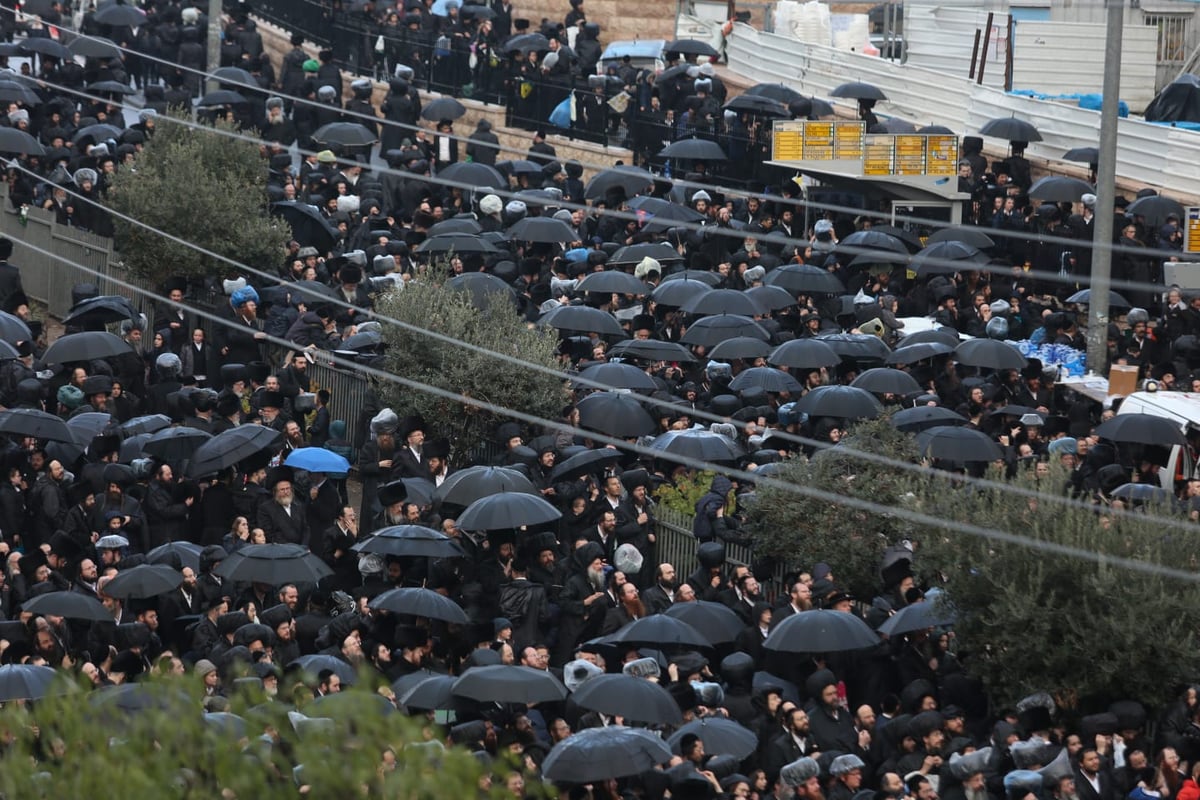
(1089, 101)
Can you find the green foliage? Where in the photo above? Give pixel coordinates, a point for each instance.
(207, 188)
(68, 745)
(428, 304)
(682, 495)
(804, 530)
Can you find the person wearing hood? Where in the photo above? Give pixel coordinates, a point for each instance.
(359, 108)
(582, 601)
(240, 343)
(712, 522)
(483, 146)
(832, 726)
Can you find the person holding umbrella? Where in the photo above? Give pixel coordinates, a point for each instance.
(582, 601)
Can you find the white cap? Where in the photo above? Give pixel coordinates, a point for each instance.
(1088, 200)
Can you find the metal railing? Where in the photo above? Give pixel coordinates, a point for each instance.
(676, 546)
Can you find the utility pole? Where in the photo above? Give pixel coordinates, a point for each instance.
(214, 42)
(1106, 187)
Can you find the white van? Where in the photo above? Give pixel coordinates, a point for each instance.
(1181, 407)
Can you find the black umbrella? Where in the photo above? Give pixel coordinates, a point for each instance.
(501, 683)
(150, 423)
(925, 417)
(36, 424)
(46, 47)
(918, 617)
(456, 225)
(309, 228)
(884, 380)
(235, 76)
(873, 240)
(720, 735)
(821, 631)
(612, 282)
(314, 664)
(947, 258)
(660, 215)
(840, 402)
(1142, 493)
(101, 311)
(858, 91)
(455, 243)
(443, 108)
(1012, 129)
(1013, 410)
(72, 605)
(704, 276)
(110, 87)
(958, 444)
(679, 293)
(757, 104)
(464, 487)
(14, 92)
(96, 133)
(908, 237)
(527, 43)
(473, 174)
(187, 553)
(631, 181)
(13, 328)
(989, 354)
(415, 602)
(872, 259)
(519, 166)
(88, 425)
(912, 353)
(935, 130)
(94, 47)
(420, 490)
(766, 378)
(134, 697)
(893, 125)
(615, 414)
(85, 346)
(746, 347)
(710, 331)
(858, 346)
(483, 288)
(804, 354)
(1155, 208)
(694, 150)
(598, 754)
(508, 510)
(131, 447)
(144, 580)
(625, 696)
(722, 301)
(1142, 429)
(1060, 189)
(964, 234)
(345, 134)
(221, 97)
(1084, 296)
(273, 564)
(543, 230)
(715, 621)
(13, 140)
(589, 462)
(33, 682)
(698, 445)
(771, 298)
(805, 279)
(175, 445)
(410, 540)
(941, 335)
(633, 254)
(582, 319)
(651, 350)
(691, 47)
(229, 447)
(775, 91)
(431, 693)
(1085, 155)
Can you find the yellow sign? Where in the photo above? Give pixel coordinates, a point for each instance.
(941, 155)
(1191, 242)
(879, 154)
(800, 140)
(848, 141)
(818, 141)
(910, 155)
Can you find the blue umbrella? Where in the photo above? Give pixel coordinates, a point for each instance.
(317, 459)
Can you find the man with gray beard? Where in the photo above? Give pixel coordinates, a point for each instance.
(582, 601)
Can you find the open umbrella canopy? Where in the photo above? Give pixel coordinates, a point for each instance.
(947, 258)
(694, 150)
(661, 631)
(148, 423)
(110, 87)
(1142, 429)
(716, 622)
(235, 76)
(519, 166)
(443, 108)
(884, 380)
(771, 298)
(925, 417)
(410, 540)
(582, 319)
(617, 376)
(720, 735)
(652, 350)
(872, 240)
(804, 354)
(315, 663)
(85, 346)
(679, 293)
(893, 125)
(775, 91)
(857, 90)
(633, 254)
(317, 459)
(501, 683)
(416, 602)
(14, 92)
(456, 243)
(740, 347)
(612, 282)
(473, 174)
(912, 353)
(144, 580)
(101, 311)
(94, 47)
(96, 133)
(273, 564)
(1012, 129)
(1156, 209)
(615, 414)
(431, 693)
(699, 445)
(1084, 296)
(50, 48)
(942, 335)
(958, 444)
(544, 230)
(309, 228)
(965, 234)
(527, 43)
(345, 134)
(805, 279)
(31, 682)
(506, 511)
(757, 104)
(1143, 493)
(229, 447)
(483, 288)
(691, 47)
(13, 328)
(187, 553)
(840, 402)
(722, 301)
(222, 97)
(21, 422)
(989, 354)
(629, 697)
(858, 346)
(1060, 189)
(175, 445)
(631, 181)
(821, 631)
(766, 378)
(920, 616)
(711, 331)
(72, 605)
(464, 487)
(597, 754)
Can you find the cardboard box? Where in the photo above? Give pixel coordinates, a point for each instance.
(1122, 380)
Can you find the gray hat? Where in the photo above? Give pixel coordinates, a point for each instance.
(756, 273)
(491, 204)
(845, 764)
(326, 93)
(1000, 307)
(701, 195)
(404, 72)
(550, 61)
(1088, 200)
(963, 767)
(799, 771)
(578, 671)
(274, 102)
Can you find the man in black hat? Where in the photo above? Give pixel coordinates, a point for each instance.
(96, 389)
(436, 453)
(166, 512)
(283, 517)
(409, 458)
(582, 600)
(48, 504)
(10, 276)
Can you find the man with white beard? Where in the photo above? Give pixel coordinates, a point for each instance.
(582, 600)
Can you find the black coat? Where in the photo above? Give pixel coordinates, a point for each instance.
(281, 527)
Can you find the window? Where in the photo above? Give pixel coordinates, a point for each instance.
(1174, 36)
